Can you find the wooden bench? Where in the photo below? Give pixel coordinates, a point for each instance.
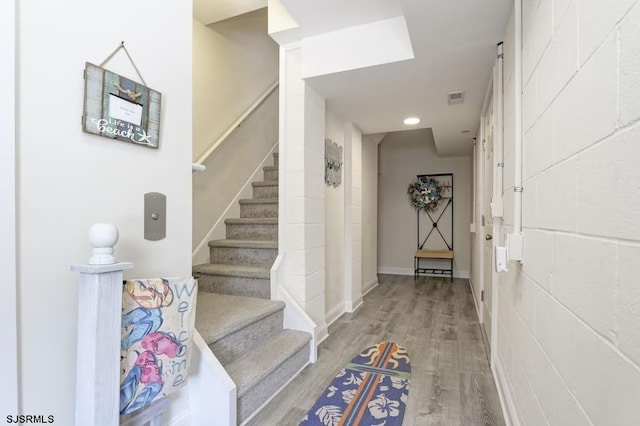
(432, 254)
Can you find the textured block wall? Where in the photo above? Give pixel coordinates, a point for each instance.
(302, 176)
(569, 317)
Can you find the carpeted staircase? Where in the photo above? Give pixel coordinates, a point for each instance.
(235, 315)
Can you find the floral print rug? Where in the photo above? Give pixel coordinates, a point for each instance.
(371, 390)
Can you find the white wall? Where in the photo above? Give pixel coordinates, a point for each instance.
(334, 208)
(69, 180)
(569, 317)
(369, 213)
(228, 168)
(8, 308)
(402, 156)
(234, 62)
(343, 232)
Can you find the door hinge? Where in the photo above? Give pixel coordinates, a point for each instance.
(482, 295)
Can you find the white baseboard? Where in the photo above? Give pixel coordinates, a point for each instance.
(390, 270)
(343, 307)
(373, 284)
(506, 399)
(475, 299)
(409, 271)
(352, 307)
(322, 332)
(335, 313)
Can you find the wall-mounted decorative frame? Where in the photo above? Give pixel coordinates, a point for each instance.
(332, 163)
(119, 108)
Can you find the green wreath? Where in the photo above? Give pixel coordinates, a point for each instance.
(426, 193)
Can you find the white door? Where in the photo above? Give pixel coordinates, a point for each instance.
(487, 222)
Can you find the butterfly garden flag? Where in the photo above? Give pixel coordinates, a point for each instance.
(158, 317)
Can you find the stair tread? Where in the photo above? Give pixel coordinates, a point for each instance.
(255, 365)
(219, 315)
(246, 271)
(259, 201)
(269, 168)
(268, 244)
(252, 220)
(265, 183)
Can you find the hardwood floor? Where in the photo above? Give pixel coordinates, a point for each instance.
(436, 321)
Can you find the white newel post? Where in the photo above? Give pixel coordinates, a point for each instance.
(99, 325)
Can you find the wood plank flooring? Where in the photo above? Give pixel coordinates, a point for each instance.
(436, 321)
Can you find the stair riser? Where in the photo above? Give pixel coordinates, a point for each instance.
(271, 175)
(257, 395)
(236, 286)
(265, 191)
(245, 231)
(232, 346)
(259, 210)
(243, 256)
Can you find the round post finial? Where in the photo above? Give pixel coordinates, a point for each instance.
(103, 236)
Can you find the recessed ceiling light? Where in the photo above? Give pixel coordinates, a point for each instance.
(411, 121)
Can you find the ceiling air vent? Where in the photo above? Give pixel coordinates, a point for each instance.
(455, 98)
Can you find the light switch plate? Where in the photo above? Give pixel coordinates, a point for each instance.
(501, 259)
(497, 208)
(155, 216)
(515, 246)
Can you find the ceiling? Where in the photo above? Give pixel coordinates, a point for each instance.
(454, 48)
(210, 11)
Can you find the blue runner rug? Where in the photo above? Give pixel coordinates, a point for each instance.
(371, 390)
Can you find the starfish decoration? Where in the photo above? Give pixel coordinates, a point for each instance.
(144, 137)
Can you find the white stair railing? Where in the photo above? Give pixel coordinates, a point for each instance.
(236, 124)
(195, 167)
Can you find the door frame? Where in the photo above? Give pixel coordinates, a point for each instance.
(493, 96)
(484, 262)
(498, 169)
